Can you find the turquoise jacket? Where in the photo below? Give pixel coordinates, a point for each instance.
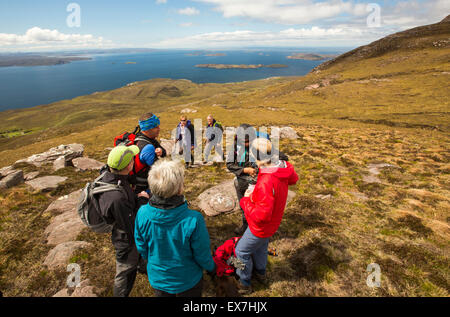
(176, 244)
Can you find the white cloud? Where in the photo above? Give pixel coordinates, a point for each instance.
(186, 25)
(286, 11)
(298, 12)
(314, 36)
(189, 11)
(44, 37)
(161, 1)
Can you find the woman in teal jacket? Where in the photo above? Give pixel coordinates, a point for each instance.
(173, 238)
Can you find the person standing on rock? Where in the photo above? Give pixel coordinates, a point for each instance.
(263, 208)
(214, 132)
(173, 238)
(149, 147)
(185, 138)
(120, 208)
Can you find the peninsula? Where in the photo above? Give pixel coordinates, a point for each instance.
(37, 60)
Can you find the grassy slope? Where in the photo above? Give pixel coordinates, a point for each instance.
(390, 108)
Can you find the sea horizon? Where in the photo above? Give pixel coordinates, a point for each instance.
(31, 86)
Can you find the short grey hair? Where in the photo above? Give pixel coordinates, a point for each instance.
(166, 178)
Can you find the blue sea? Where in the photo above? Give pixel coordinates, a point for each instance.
(23, 87)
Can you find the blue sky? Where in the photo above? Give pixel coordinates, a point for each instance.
(27, 25)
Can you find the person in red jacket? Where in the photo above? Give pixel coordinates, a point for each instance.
(263, 209)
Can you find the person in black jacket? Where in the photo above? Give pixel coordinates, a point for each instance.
(120, 208)
(185, 137)
(238, 162)
(150, 150)
(214, 132)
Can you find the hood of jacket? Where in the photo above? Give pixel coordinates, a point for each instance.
(168, 211)
(279, 172)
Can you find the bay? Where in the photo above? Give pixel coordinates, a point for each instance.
(23, 87)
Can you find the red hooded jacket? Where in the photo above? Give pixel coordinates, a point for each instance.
(264, 207)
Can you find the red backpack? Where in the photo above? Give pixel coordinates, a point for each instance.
(128, 139)
(225, 258)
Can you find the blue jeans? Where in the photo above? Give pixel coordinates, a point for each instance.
(252, 251)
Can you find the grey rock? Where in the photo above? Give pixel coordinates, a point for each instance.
(82, 290)
(12, 179)
(59, 256)
(30, 176)
(69, 152)
(67, 225)
(46, 183)
(59, 163)
(288, 133)
(5, 171)
(323, 197)
(65, 203)
(85, 163)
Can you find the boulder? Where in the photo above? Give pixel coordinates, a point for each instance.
(85, 163)
(30, 176)
(313, 86)
(69, 152)
(67, 225)
(46, 183)
(219, 199)
(67, 203)
(81, 290)
(59, 163)
(14, 178)
(188, 110)
(59, 256)
(222, 198)
(5, 171)
(288, 133)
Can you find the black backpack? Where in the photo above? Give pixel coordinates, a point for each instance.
(88, 207)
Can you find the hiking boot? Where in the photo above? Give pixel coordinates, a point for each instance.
(261, 278)
(243, 289)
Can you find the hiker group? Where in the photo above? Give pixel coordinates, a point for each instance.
(139, 198)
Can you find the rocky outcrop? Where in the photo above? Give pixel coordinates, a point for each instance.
(85, 163)
(60, 255)
(81, 290)
(219, 199)
(46, 183)
(68, 152)
(13, 178)
(67, 225)
(188, 110)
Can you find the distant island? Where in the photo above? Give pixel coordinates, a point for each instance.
(130, 63)
(37, 60)
(209, 54)
(216, 54)
(242, 66)
(311, 57)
